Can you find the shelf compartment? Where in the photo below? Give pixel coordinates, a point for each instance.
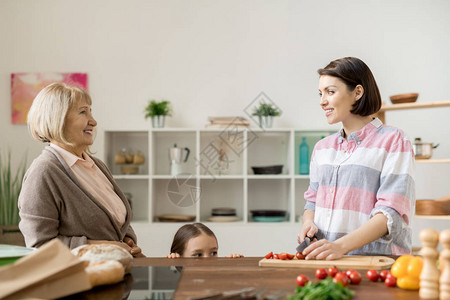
(162, 141)
(270, 194)
(132, 141)
(139, 197)
(227, 193)
(221, 152)
(174, 197)
(275, 145)
(312, 137)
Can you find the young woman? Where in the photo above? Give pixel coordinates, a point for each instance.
(195, 240)
(361, 193)
(67, 193)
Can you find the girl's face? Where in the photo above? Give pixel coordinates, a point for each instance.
(202, 245)
(79, 127)
(336, 100)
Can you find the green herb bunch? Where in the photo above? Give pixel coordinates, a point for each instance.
(323, 290)
(154, 108)
(266, 109)
(10, 186)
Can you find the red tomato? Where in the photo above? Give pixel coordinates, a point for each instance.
(290, 256)
(276, 256)
(300, 256)
(348, 272)
(390, 281)
(302, 280)
(321, 273)
(355, 277)
(373, 275)
(383, 275)
(269, 255)
(283, 256)
(332, 271)
(341, 278)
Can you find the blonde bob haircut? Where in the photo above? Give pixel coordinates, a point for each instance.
(47, 115)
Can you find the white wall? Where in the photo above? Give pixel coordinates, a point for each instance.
(214, 57)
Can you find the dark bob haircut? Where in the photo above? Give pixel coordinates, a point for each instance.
(353, 71)
(187, 232)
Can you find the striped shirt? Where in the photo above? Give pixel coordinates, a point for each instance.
(95, 182)
(372, 171)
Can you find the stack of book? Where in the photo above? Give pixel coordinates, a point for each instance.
(225, 122)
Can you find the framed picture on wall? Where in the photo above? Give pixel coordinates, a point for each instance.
(25, 87)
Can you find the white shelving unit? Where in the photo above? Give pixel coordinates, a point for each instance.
(202, 185)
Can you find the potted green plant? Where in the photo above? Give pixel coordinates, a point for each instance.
(157, 111)
(10, 186)
(265, 112)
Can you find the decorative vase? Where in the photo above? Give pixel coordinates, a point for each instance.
(158, 121)
(11, 235)
(265, 121)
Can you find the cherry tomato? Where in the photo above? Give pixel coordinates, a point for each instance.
(290, 256)
(348, 272)
(383, 275)
(302, 280)
(373, 275)
(341, 278)
(321, 273)
(276, 256)
(299, 255)
(332, 271)
(355, 277)
(269, 255)
(283, 256)
(390, 281)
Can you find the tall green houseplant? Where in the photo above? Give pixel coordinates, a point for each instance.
(10, 186)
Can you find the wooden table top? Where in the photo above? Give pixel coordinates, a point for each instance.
(202, 277)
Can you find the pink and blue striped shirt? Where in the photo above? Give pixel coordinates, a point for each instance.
(372, 171)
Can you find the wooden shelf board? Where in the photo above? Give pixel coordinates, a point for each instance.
(433, 217)
(432, 161)
(415, 105)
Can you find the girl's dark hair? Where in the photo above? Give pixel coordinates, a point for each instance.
(187, 232)
(353, 71)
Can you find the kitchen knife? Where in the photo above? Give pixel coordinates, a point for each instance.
(306, 242)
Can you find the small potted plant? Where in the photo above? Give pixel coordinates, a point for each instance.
(158, 111)
(265, 113)
(10, 186)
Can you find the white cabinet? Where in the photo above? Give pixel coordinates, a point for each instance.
(217, 174)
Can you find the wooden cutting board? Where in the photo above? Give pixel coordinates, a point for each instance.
(347, 262)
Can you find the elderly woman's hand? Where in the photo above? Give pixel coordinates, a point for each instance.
(135, 250)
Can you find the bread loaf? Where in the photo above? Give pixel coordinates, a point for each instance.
(105, 272)
(95, 253)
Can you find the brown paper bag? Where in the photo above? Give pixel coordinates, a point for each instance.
(50, 272)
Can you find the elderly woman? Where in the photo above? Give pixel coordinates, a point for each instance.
(66, 192)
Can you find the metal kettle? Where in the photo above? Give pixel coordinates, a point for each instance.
(176, 159)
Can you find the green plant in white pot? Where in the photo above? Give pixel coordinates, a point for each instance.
(158, 111)
(266, 112)
(10, 186)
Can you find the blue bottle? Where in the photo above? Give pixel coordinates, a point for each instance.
(304, 157)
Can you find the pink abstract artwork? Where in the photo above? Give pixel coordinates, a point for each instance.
(25, 87)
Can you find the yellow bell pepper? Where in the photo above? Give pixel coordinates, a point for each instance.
(407, 270)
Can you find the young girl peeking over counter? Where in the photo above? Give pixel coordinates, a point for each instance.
(195, 240)
(361, 192)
